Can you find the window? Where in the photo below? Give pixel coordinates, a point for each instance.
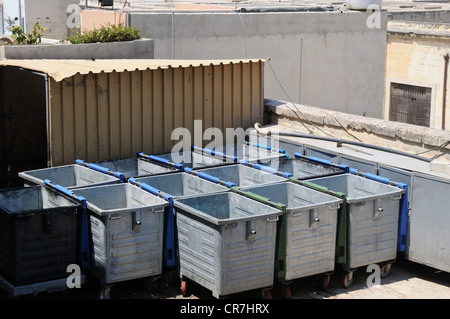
(410, 104)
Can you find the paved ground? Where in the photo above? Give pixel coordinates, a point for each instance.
(406, 280)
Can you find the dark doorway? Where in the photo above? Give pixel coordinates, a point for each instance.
(23, 128)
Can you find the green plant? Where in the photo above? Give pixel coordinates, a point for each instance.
(9, 22)
(106, 33)
(19, 37)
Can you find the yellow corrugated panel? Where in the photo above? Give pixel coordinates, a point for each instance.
(116, 112)
(63, 69)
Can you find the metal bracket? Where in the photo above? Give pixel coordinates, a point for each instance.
(313, 219)
(136, 221)
(250, 231)
(377, 209)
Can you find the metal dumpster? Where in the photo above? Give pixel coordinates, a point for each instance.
(127, 233)
(305, 167)
(252, 152)
(226, 242)
(141, 165)
(69, 176)
(183, 184)
(170, 187)
(240, 175)
(306, 237)
(198, 158)
(372, 210)
(38, 236)
(301, 167)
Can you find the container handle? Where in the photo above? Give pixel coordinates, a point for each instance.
(396, 196)
(296, 215)
(273, 220)
(230, 225)
(337, 206)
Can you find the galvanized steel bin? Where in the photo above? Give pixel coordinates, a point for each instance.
(240, 175)
(69, 176)
(38, 234)
(170, 187)
(181, 185)
(306, 237)
(306, 167)
(251, 152)
(226, 242)
(198, 158)
(127, 225)
(372, 219)
(141, 165)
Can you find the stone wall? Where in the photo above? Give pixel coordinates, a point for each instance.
(137, 49)
(400, 136)
(415, 56)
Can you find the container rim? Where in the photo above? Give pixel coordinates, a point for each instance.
(274, 212)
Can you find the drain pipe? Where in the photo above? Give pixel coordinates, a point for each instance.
(444, 94)
(268, 132)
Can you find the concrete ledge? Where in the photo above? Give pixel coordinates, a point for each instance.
(136, 49)
(401, 136)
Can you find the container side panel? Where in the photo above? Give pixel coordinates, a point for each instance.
(428, 238)
(310, 246)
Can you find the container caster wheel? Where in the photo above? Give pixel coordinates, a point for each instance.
(347, 279)
(104, 293)
(325, 282)
(287, 291)
(184, 288)
(385, 269)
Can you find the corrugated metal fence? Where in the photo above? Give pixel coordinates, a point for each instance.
(113, 109)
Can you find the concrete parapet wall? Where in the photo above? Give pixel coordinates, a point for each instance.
(330, 59)
(432, 143)
(137, 49)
